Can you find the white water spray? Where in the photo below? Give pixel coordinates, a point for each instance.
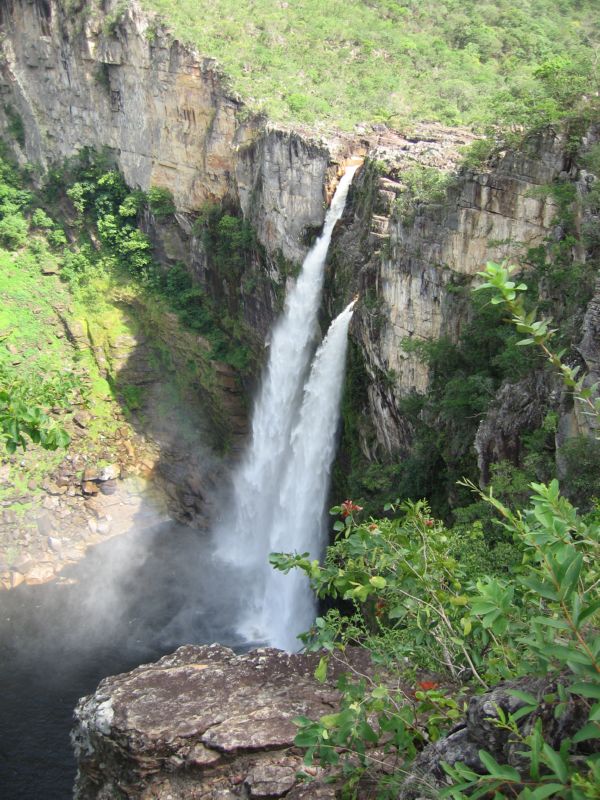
(245, 536)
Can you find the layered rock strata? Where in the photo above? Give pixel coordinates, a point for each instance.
(108, 76)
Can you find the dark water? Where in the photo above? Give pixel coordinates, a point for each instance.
(132, 599)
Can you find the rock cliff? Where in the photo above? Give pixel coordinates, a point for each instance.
(104, 77)
(107, 75)
(413, 265)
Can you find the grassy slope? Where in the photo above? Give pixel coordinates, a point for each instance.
(35, 351)
(389, 60)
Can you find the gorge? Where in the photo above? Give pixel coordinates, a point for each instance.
(132, 544)
(280, 472)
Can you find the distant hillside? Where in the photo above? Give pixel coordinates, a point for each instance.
(344, 62)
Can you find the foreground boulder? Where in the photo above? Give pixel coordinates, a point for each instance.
(200, 723)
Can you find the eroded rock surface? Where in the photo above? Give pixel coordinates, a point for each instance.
(200, 723)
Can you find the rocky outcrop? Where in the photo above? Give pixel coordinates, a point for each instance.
(414, 264)
(517, 408)
(205, 723)
(200, 723)
(428, 256)
(480, 731)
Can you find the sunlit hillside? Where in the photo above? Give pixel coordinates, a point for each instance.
(345, 62)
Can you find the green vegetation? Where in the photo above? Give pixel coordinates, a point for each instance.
(465, 376)
(419, 594)
(16, 127)
(412, 600)
(512, 62)
(35, 378)
(103, 201)
(421, 185)
(70, 294)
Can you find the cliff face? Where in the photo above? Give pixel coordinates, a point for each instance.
(76, 77)
(413, 265)
(108, 77)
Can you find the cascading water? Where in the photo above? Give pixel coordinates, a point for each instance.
(245, 537)
(298, 524)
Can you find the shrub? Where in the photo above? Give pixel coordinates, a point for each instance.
(160, 201)
(13, 230)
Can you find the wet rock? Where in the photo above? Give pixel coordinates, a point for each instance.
(89, 487)
(108, 487)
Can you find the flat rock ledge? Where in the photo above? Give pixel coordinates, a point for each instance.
(200, 723)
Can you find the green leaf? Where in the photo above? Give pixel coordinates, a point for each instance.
(555, 761)
(530, 699)
(307, 737)
(330, 720)
(559, 624)
(496, 770)
(567, 654)
(398, 612)
(378, 582)
(522, 712)
(594, 715)
(585, 690)
(588, 611)
(379, 692)
(321, 670)
(543, 589)
(366, 732)
(569, 582)
(547, 790)
(589, 731)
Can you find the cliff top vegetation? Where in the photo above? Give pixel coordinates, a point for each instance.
(393, 61)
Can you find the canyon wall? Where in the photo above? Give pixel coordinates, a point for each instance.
(107, 77)
(100, 76)
(414, 265)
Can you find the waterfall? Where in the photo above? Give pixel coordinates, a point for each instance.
(245, 536)
(298, 524)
